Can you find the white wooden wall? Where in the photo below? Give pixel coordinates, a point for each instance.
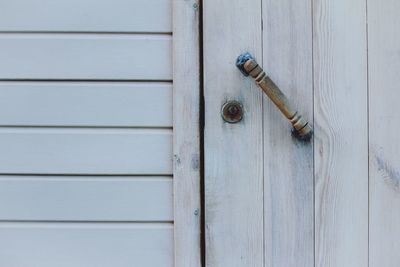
(384, 141)
(86, 133)
(271, 200)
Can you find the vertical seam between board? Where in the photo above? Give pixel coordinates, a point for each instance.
(262, 139)
(368, 139)
(313, 118)
(202, 126)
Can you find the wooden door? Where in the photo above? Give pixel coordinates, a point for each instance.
(99, 133)
(274, 201)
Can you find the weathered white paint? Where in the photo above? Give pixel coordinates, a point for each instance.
(124, 104)
(40, 244)
(341, 133)
(85, 56)
(233, 152)
(86, 16)
(316, 51)
(186, 137)
(288, 163)
(85, 198)
(384, 123)
(87, 133)
(85, 151)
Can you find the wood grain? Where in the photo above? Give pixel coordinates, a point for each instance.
(86, 16)
(288, 163)
(233, 152)
(85, 57)
(384, 121)
(341, 133)
(186, 134)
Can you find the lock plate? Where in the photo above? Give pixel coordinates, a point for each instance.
(232, 111)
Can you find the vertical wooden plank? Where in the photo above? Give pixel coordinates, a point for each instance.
(341, 133)
(384, 125)
(186, 119)
(288, 163)
(233, 152)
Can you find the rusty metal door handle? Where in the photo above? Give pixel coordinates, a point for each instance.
(249, 66)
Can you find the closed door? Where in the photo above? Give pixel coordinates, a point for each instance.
(273, 200)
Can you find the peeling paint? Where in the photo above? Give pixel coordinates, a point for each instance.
(177, 160)
(195, 162)
(390, 175)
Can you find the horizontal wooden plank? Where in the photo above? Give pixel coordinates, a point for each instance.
(80, 56)
(86, 15)
(85, 244)
(86, 104)
(85, 151)
(52, 198)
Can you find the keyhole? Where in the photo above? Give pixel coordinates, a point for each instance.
(232, 111)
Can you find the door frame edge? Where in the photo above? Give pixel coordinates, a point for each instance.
(187, 158)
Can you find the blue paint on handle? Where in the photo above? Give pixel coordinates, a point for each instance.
(241, 60)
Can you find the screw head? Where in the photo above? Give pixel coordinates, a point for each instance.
(232, 111)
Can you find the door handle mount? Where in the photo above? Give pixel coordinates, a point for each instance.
(249, 66)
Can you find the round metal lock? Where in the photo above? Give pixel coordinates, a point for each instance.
(232, 111)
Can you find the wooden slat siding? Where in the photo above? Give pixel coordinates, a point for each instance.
(55, 198)
(233, 152)
(384, 95)
(341, 139)
(186, 134)
(288, 163)
(86, 16)
(86, 244)
(120, 52)
(86, 104)
(81, 56)
(85, 151)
